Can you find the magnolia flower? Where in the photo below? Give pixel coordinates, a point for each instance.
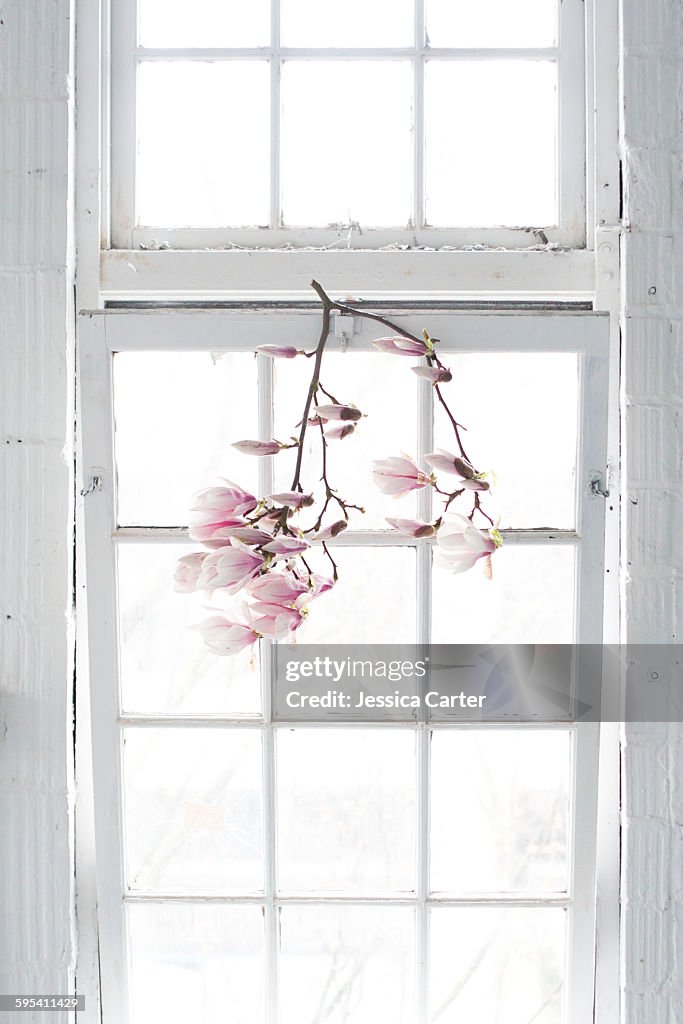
(401, 346)
(247, 534)
(340, 430)
(220, 508)
(258, 447)
(412, 527)
(229, 567)
(278, 621)
(446, 462)
(225, 637)
(286, 546)
(278, 351)
(319, 585)
(461, 545)
(338, 412)
(187, 572)
(333, 530)
(231, 500)
(398, 476)
(277, 588)
(435, 374)
(293, 499)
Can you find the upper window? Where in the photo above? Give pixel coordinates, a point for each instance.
(415, 122)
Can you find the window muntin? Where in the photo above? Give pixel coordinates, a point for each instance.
(181, 812)
(299, 153)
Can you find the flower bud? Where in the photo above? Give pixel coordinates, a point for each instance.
(258, 447)
(278, 351)
(338, 412)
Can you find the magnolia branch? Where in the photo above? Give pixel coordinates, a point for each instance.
(258, 547)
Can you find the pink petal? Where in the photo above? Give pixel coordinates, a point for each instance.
(412, 527)
(278, 351)
(399, 346)
(435, 374)
(338, 412)
(331, 531)
(340, 430)
(286, 546)
(258, 447)
(293, 499)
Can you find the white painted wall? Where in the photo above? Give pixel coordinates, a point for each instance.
(653, 385)
(36, 861)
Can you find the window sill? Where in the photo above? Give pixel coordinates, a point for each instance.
(545, 274)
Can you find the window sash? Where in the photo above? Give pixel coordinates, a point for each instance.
(103, 334)
(571, 144)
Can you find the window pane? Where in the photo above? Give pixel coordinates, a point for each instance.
(529, 600)
(164, 666)
(364, 176)
(386, 392)
(490, 131)
(347, 23)
(190, 963)
(499, 810)
(193, 809)
(490, 965)
(374, 602)
(176, 416)
(522, 413)
(208, 23)
(203, 143)
(336, 831)
(347, 965)
(491, 22)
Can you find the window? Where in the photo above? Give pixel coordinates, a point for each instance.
(239, 866)
(410, 122)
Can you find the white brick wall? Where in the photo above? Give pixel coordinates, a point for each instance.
(36, 945)
(653, 389)
(36, 857)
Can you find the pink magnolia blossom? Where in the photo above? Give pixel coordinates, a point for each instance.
(258, 447)
(252, 535)
(446, 462)
(225, 637)
(461, 545)
(211, 528)
(412, 527)
(435, 374)
(220, 508)
(320, 585)
(187, 572)
(230, 567)
(286, 546)
(293, 499)
(278, 621)
(401, 346)
(340, 430)
(278, 351)
(338, 412)
(333, 530)
(277, 588)
(231, 500)
(398, 476)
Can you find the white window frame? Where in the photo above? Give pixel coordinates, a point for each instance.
(523, 268)
(568, 56)
(104, 333)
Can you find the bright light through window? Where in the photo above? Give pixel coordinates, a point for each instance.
(379, 122)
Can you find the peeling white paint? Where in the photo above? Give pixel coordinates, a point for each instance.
(652, 922)
(37, 947)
